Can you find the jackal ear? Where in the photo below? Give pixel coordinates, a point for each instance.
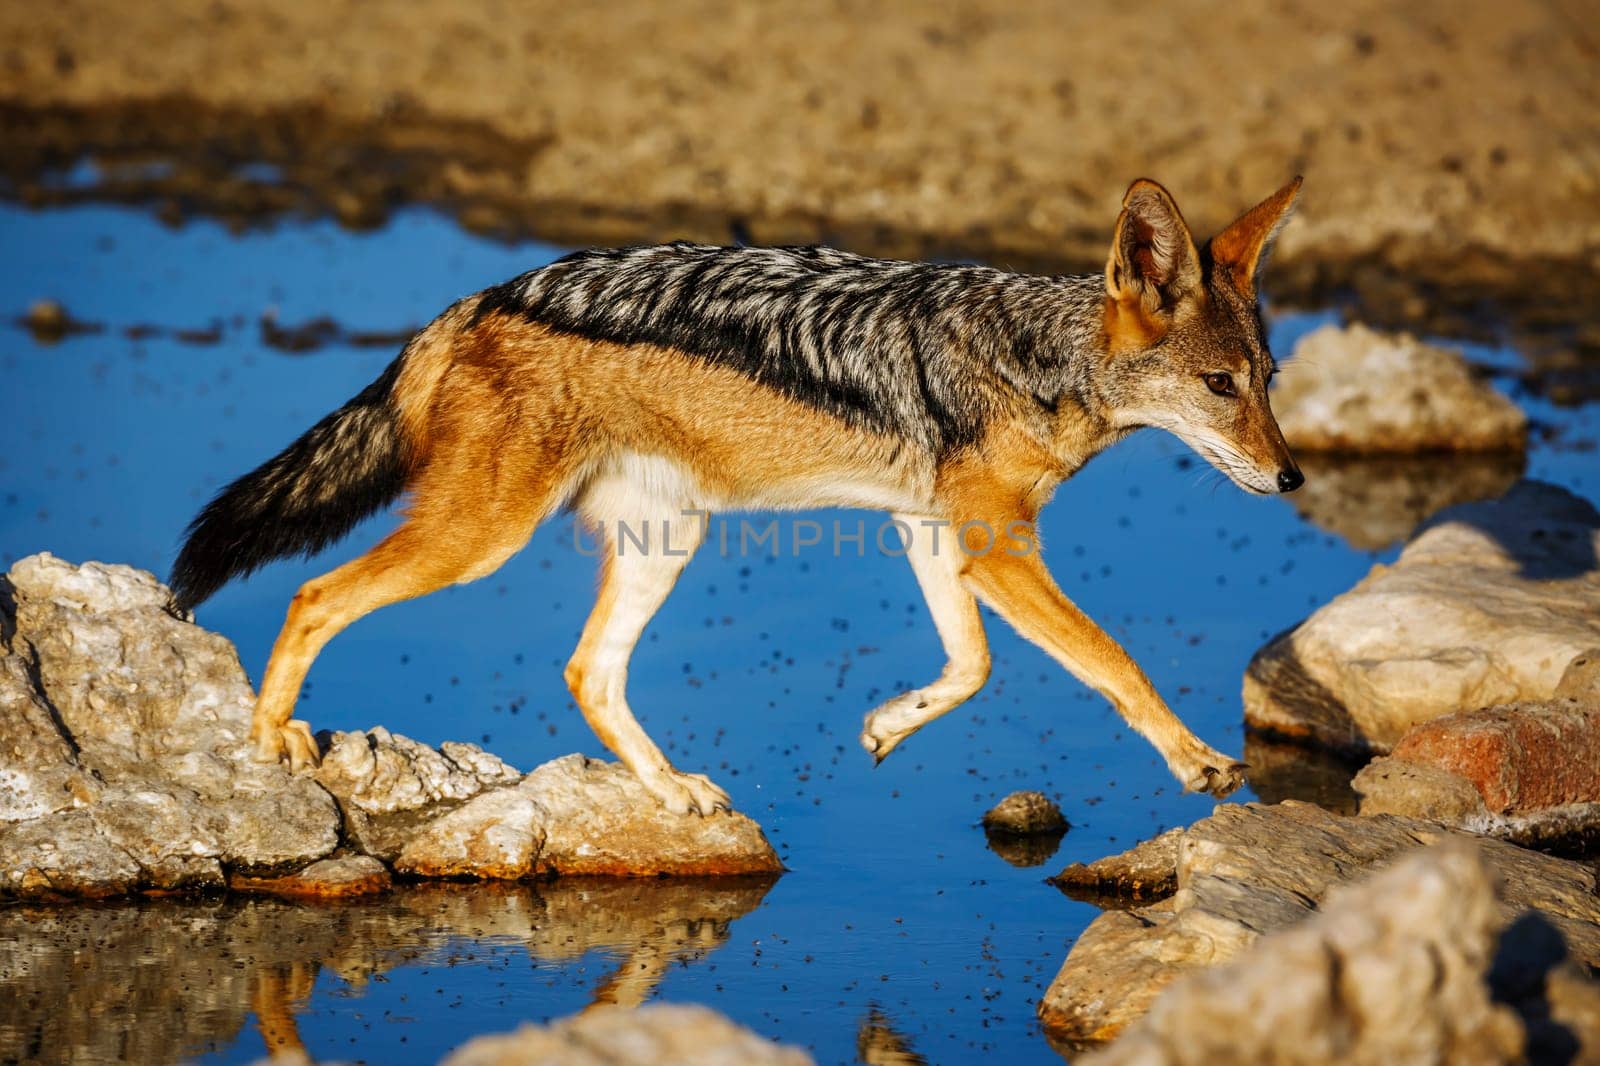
(1239, 251)
(1153, 258)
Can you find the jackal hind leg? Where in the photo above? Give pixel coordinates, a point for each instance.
(937, 565)
(634, 583)
(458, 530)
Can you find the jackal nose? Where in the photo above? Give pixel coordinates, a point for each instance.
(1290, 479)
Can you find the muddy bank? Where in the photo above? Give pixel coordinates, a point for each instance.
(988, 129)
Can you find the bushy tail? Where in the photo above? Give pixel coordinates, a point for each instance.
(343, 469)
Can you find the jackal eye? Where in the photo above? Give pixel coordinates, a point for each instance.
(1221, 384)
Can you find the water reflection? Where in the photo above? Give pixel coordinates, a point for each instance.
(879, 1043)
(1025, 851)
(1373, 502)
(1281, 770)
(156, 981)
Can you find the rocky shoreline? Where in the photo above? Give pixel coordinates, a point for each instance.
(124, 768)
(1411, 922)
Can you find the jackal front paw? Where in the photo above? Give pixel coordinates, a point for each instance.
(683, 793)
(292, 741)
(887, 726)
(1204, 769)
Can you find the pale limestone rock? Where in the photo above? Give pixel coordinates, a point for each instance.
(1488, 604)
(64, 854)
(379, 772)
(1357, 391)
(135, 719)
(600, 820)
(658, 1034)
(1392, 969)
(124, 767)
(493, 835)
(39, 769)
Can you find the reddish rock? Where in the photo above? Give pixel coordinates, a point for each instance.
(1520, 756)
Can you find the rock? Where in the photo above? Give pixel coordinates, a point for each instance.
(494, 835)
(1519, 757)
(377, 772)
(123, 742)
(64, 854)
(1393, 969)
(1581, 680)
(1395, 786)
(1488, 604)
(128, 681)
(1249, 870)
(1523, 772)
(342, 878)
(125, 767)
(1025, 829)
(1373, 501)
(659, 1034)
(39, 769)
(598, 819)
(1025, 813)
(1360, 392)
(1147, 871)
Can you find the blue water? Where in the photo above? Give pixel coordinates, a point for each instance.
(758, 670)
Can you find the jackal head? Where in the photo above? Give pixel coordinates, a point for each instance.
(1183, 342)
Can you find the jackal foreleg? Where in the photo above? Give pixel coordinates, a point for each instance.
(937, 561)
(1021, 590)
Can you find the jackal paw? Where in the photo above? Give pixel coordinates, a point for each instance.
(1204, 769)
(683, 793)
(292, 741)
(891, 723)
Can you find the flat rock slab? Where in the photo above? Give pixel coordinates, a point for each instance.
(1412, 964)
(1488, 604)
(1248, 870)
(125, 768)
(1353, 390)
(1148, 871)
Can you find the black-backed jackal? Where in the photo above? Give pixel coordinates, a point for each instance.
(639, 384)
